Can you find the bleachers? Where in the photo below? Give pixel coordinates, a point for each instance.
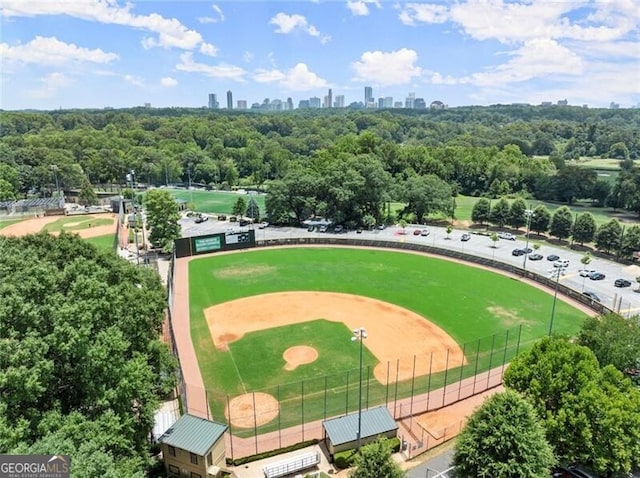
(292, 465)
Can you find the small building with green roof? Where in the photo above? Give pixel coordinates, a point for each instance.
(194, 447)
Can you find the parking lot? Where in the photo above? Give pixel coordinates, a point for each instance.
(623, 299)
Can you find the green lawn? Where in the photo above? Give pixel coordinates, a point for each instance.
(102, 242)
(76, 223)
(217, 202)
(8, 222)
(460, 299)
(464, 206)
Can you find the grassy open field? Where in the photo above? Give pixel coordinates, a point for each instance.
(217, 202)
(76, 223)
(102, 242)
(462, 300)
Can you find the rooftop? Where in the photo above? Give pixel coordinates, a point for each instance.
(193, 434)
(375, 421)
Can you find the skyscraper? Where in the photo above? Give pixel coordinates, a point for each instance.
(213, 101)
(368, 95)
(339, 102)
(330, 99)
(229, 100)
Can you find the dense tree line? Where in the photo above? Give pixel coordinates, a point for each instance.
(478, 151)
(82, 367)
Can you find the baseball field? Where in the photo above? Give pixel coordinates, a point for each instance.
(279, 322)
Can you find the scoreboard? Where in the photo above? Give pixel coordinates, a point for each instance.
(223, 241)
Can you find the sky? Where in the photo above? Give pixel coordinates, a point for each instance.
(108, 53)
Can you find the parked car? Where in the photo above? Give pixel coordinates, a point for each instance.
(358, 231)
(506, 235)
(591, 295)
(338, 229)
(200, 218)
(586, 272)
(417, 232)
(465, 237)
(574, 471)
(263, 224)
(222, 217)
(622, 283)
(527, 250)
(518, 252)
(535, 257)
(561, 263)
(381, 227)
(424, 233)
(311, 228)
(552, 257)
(596, 276)
(244, 222)
(322, 229)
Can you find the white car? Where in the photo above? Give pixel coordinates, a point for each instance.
(506, 235)
(586, 272)
(561, 263)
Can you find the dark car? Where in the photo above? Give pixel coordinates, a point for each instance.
(527, 250)
(417, 232)
(596, 276)
(535, 257)
(518, 252)
(465, 237)
(622, 283)
(591, 295)
(576, 471)
(552, 257)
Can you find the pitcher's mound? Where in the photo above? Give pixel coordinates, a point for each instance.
(299, 355)
(251, 410)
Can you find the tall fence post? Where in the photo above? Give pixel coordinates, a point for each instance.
(504, 354)
(368, 375)
(302, 406)
(395, 397)
(475, 372)
(493, 343)
(255, 421)
(464, 352)
(446, 373)
(386, 397)
(429, 380)
(324, 413)
(230, 427)
(519, 337)
(413, 381)
(346, 403)
(279, 415)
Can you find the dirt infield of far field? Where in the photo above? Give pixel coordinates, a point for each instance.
(36, 224)
(393, 332)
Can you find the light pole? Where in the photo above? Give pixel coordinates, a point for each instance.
(557, 272)
(529, 214)
(359, 334)
(54, 168)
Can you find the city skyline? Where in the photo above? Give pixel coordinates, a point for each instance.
(107, 53)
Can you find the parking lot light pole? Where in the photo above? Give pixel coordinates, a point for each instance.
(359, 334)
(557, 272)
(529, 214)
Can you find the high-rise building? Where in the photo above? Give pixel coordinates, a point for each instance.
(229, 100)
(381, 102)
(388, 102)
(314, 102)
(368, 95)
(242, 104)
(339, 102)
(289, 104)
(303, 104)
(409, 102)
(330, 99)
(213, 101)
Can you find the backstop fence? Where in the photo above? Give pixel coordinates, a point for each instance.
(291, 413)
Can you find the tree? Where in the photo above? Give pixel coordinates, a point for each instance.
(561, 223)
(494, 239)
(425, 195)
(517, 214)
(374, 461)
(540, 219)
(87, 196)
(630, 241)
(608, 236)
(82, 365)
(449, 229)
(614, 340)
(368, 221)
(162, 217)
(585, 261)
(253, 210)
(584, 229)
(589, 414)
(239, 207)
(502, 439)
(7, 192)
(481, 211)
(500, 212)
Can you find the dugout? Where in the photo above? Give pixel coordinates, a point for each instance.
(341, 433)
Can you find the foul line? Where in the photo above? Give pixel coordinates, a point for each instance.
(237, 371)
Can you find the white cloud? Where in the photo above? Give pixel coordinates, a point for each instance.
(51, 84)
(361, 7)
(387, 68)
(168, 81)
(217, 71)
(51, 51)
(288, 23)
(134, 80)
(217, 19)
(208, 49)
(247, 56)
(169, 32)
(298, 78)
(423, 12)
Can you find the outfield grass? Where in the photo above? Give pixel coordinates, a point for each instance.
(8, 222)
(217, 202)
(76, 223)
(102, 242)
(462, 300)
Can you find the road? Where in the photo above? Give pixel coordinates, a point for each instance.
(623, 299)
